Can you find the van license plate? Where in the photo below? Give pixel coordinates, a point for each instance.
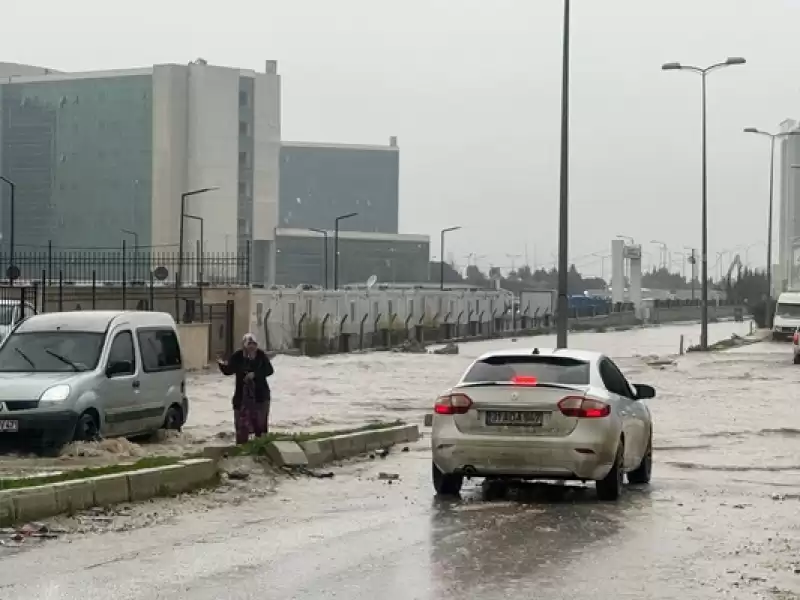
(9, 426)
(511, 418)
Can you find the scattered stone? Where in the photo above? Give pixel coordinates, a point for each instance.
(238, 475)
(383, 452)
(412, 346)
(450, 348)
(388, 477)
(405, 449)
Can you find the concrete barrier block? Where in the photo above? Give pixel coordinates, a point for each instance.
(403, 434)
(377, 439)
(192, 474)
(72, 496)
(318, 452)
(147, 483)
(35, 503)
(286, 454)
(111, 489)
(6, 508)
(349, 445)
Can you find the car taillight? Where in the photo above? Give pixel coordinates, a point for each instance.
(452, 404)
(524, 380)
(795, 338)
(583, 408)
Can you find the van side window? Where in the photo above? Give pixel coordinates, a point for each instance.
(122, 351)
(160, 350)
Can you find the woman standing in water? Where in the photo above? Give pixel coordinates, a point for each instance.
(251, 396)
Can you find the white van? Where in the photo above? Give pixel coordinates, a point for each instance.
(787, 316)
(83, 375)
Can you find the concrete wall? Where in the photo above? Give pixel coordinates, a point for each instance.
(213, 156)
(170, 141)
(278, 312)
(194, 345)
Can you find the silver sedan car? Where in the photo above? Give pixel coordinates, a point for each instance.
(548, 414)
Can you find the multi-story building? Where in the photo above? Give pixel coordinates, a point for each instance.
(103, 156)
(320, 182)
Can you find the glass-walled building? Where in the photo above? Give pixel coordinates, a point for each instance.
(392, 258)
(319, 182)
(105, 156)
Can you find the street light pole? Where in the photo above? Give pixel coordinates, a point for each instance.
(201, 220)
(336, 247)
(135, 251)
(324, 254)
(662, 254)
(703, 72)
(13, 189)
(441, 258)
(179, 274)
(772, 137)
(562, 308)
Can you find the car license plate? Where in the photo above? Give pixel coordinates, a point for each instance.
(517, 417)
(9, 426)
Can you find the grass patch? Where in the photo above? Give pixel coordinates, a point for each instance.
(144, 463)
(257, 446)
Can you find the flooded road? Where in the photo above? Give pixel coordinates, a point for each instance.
(718, 521)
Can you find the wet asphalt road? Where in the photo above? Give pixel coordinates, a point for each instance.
(719, 521)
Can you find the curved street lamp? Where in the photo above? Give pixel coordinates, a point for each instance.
(703, 72)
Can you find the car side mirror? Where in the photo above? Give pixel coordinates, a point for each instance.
(644, 392)
(119, 367)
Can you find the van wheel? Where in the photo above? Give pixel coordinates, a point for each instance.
(446, 484)
(174, 418)
(87, 429)
(796, 359)
(610, 487)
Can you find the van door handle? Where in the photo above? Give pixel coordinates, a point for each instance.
(136, 384)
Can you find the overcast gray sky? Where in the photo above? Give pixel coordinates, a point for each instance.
(472, 89)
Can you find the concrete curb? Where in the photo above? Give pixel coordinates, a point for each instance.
(49, 500)
(315, 453)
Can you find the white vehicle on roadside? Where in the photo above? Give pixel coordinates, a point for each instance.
(787, 316)
(82, 375)
(547, 414)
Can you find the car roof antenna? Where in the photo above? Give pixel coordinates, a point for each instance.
(535, 351)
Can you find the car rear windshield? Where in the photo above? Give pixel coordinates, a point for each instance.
(546, 369)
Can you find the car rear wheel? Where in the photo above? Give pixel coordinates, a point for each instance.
(644, 471)
(610, 487)
(796, 359)
(446, 484)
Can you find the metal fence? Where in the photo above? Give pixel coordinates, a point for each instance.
(125, 267)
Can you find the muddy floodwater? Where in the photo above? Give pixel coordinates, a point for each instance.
(348, 390)
(720, 519)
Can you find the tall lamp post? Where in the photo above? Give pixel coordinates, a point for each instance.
(336, 247)
(324, 235)
(664, 255)
(703, 72)
(201, 249)
(772, 137)
(13, 189)
(441, 249)
(179, 274)
(562, 308)
(135, 251)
